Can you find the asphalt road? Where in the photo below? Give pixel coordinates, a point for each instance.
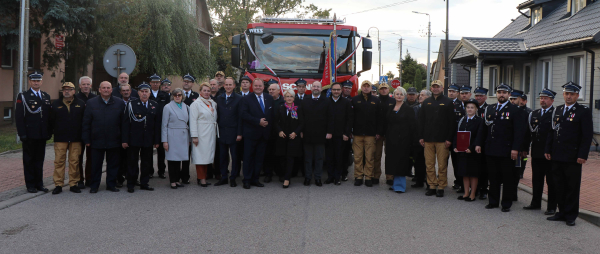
(328, 219)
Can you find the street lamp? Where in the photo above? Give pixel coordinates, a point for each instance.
(428, 47)
(378, 48)
(400, 63)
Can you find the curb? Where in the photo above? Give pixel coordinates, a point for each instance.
(586, 215)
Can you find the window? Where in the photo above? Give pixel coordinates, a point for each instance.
(576, 71)
(536, 15)
(192, 7)
(508, 75)
(577, 5)
(7, 54)
(7, 113)
(547, 74)
(526, 78)
(493, 80)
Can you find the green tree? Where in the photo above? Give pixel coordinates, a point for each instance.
(390, 76)
(412, 72)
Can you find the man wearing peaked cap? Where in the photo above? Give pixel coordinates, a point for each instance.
(245, 83)
(505, 127)
(301, 90)
(347, 89)
(165, 86)
(346, 92)
(520, 100)
(141, 132)
(568, 147)
(455, 92)
(386, 102)
(539, 125)
(367, 129)
(32, 111)
(188, 84)
(482, 188)
(161, 98)
(412, 96)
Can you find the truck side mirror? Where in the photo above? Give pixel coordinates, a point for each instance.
(367, 44)
(367, 59)
(236, 40)
(235, 57)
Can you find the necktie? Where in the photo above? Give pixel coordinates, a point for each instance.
(39, 95)
(226, 100)
(187, 95)
(262, 105)
(315, 99)
(544, 112)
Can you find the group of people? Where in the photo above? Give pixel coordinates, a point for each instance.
(277, 132)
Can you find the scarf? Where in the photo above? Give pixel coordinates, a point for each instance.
(208, 103)
(292, 109)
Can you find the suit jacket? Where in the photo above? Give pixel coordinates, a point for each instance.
(162, 98)
(297, 100)
(229, 120)
(287, 124)
(251, 115)
(102, 122)
(343, 117)
(459, 109)
(573, 136)
(541, 125)
(190, 99)
(506, 132)
(318, 119)
(472, 126)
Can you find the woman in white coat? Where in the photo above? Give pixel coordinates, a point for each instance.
(204, 132)
(176, 139)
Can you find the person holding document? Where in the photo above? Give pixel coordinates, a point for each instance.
(467, 145)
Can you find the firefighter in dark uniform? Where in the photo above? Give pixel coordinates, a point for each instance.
(519, 99)
(189, 95)
(32, 112)
(141, 132)
(505, 131)
(568, 146)
(348, 159)
(459, 111)
(300, 87)
(539, 126)
(161, 98)
(482, 188)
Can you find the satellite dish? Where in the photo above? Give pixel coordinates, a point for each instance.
(119, 58)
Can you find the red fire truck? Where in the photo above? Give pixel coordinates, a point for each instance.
(294, 48)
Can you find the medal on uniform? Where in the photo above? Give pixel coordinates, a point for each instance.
(138, 103)
(507, 114)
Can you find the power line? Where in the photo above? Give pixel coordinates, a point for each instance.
(382, 7)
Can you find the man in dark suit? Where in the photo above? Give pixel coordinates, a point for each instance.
(272, 163)
(161, 98)
(568, 147)
(342, 128)
(230, 132)
(318, 128)
(346, 92)
(245, 83)
(123, 79)
(539, 126)
(459, 112)
(141, 132)
(32, 111)
(85, 93)
(257, 116)
(189, 95)
(505, 127)
(482, 185)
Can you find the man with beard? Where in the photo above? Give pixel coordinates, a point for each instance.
(482, 188)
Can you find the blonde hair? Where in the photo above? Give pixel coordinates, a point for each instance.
(204, 84)
(290, 91)
(401, 90)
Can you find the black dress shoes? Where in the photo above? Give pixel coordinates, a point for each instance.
(81, 185)
(246, 185)
(161, 176)
(174, 187)
(490, 206)
(439, 193)
(186, 182)
(389, 182)
(430, 192)
(532, 207)
(329, 180)
(417, 185)
(151, 176)
(113, 189)
(130, 190)
(43, 189)
(556, 217)
(119, 185)
(375, 181)
(148, 188)
(571, 223)
(505, 210)
(461, 198)
(233, 183)
(257, 184)
(318, 183)
(468, 199)
(221, 182)
(455, 187)
(368, 183)
(549, 212)
(306, 182)
(75, 189)
(358, 182)
(179, 185)
(93, 190)
(57, 190)
(345, 178)
(267, 179)
(137, 183)
(482, 196)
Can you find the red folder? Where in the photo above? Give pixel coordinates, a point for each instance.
(463, 140)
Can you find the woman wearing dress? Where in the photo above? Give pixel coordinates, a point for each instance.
(288, 123)
(400, 137)
(175, 138)
(204, 132)
(469, 161)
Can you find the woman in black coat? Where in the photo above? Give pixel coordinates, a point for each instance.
(288, 123)
(400, 137)
(469, 161)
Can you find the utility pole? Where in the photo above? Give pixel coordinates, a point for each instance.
(400, 62)
(428, 47)
(446, 53)
(20, 72)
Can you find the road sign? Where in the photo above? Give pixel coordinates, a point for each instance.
(59, 41)
(395, 83)
(383, 79)
(119, 58)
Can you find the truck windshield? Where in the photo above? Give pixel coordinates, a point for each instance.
(300, 54)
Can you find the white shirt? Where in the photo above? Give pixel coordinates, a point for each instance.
(301, 96)
(262, 98)
(38, 93)
(501, 106)
(334, 99)
(187, 93)
(470, 118)
(316, 97)
(155, 93)
(244, 94)
(544, 111)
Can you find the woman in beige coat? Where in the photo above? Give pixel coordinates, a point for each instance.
(204, 132)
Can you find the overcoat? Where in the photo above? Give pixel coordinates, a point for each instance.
(400, 137)
(175, 131)
(203, 125)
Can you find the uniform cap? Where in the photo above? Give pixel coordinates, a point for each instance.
(300, 81)
(571, 87)
(144, 85)
(165, 81)
(189, 77)
(547, 93)
(465, 89)
(412, 90)
(481, 91)
(272, 81)
(474, 101)
(347, 83)
(516, 94)
(154, 77)
(246, 78)
(504, 87)
(35, 76)
(454, 87)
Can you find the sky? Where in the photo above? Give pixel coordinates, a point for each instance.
(468, 18)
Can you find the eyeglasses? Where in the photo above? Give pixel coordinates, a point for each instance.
(177, 95)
